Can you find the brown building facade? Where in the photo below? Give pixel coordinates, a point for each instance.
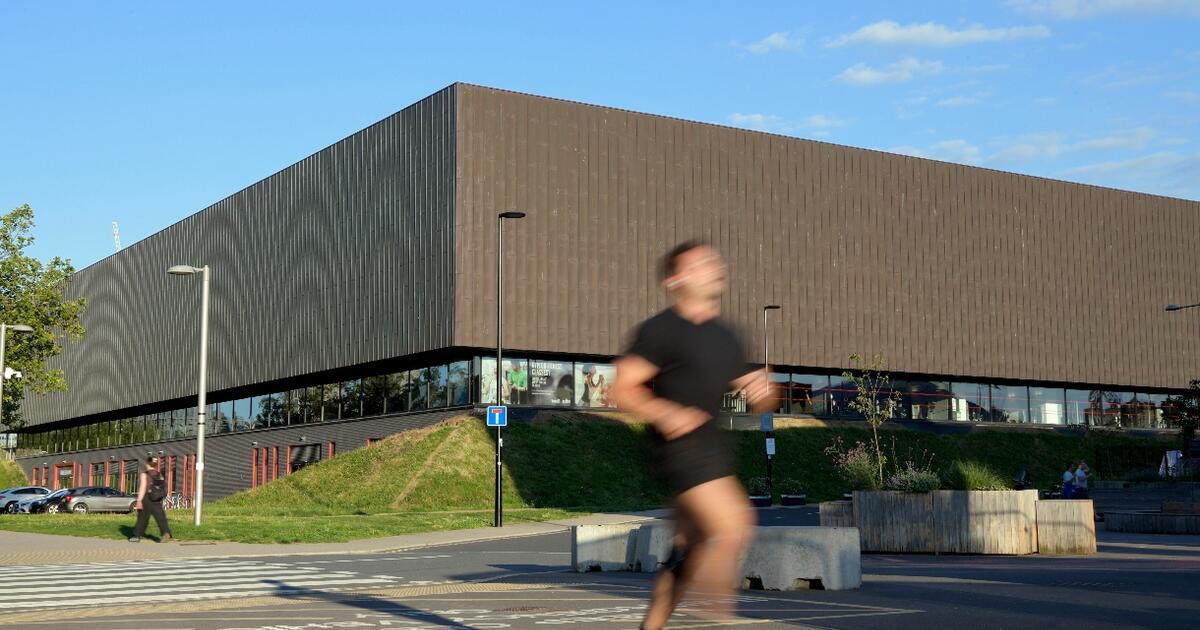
(359, 283)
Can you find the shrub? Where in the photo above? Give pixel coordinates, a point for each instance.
(912, 479)
(789, 486)
(757, 486)
(857, 466)
(970, 475)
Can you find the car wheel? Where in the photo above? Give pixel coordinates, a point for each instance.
(52, 508)
(80, 508)
(11, 508)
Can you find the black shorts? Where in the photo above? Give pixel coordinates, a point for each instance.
(701, 456)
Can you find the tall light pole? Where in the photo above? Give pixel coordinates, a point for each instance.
(187, 270)
(4, 328)
(767, 373)
(1176, 307)
(498, 517)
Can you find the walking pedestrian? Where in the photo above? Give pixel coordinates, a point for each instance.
(1081, 480)
(1068, 487)
(693, 360)
(152, 489)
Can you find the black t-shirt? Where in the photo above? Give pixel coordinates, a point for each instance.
(696, 362)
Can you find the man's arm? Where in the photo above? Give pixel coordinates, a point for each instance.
(631, 392)
(761, 393)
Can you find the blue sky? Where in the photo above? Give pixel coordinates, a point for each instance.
(146, 112)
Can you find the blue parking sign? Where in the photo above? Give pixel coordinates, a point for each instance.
(497, 416)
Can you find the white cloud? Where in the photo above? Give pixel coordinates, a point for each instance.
(887, 32)
(1173, 141)
(1074, 9)
(1187, 96)
(1045, 100)
(775, 41)
(1037, 146)
(946, 150)
(1122, 76)
(900, 72)
(815, 125)
(821, 121)
(1136, 138)
(1165, 172)
(957, 101)
(761, 122)
(1029, 147)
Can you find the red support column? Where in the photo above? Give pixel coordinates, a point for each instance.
(122, 483)
(289, 460)
(274, 463)
(329, 450)
(254, 468)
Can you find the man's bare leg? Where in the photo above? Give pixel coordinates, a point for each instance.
(668, 585)
(722, 514)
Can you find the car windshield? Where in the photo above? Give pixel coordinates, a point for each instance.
(6, 490)
(59, 493)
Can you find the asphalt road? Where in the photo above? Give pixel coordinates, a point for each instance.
(524, 583)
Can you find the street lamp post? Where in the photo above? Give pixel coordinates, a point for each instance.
(187, 270)
(498, 517)
(4, 328)
(767, 373)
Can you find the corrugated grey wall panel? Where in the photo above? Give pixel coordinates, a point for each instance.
(340, 259)
(946, 269)
(228, 465)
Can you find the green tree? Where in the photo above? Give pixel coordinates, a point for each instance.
(32, 293)
(1183, 411)
(875, 400)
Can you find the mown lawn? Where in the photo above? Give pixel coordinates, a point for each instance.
(564, 464)
(269, 529)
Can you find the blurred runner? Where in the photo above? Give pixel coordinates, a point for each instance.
(694, 360)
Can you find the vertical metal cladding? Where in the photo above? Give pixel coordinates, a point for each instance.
(227, 469)
(946, 269)
(342, 258)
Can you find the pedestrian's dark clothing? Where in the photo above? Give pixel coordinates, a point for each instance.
(151, 508)
(696, 363)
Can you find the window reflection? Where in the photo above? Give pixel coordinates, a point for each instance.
(972, 402)
(1010, 403)
(439, 377)
(374, 398)
(1047, 405)
(929, 400)
(418, 389)
(459, 383)
(808, 394)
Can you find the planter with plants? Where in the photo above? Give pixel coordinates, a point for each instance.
(791, 492)
(899, 504)
(759, 491)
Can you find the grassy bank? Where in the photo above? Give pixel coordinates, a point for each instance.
(11, 475)
(560, 465)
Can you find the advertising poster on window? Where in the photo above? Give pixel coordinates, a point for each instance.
(514, 384)
(592, 384)
(551, 383)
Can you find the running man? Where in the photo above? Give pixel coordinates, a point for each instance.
(694, 360)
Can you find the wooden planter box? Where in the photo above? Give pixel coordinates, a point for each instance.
(947, 521)
(1066, 527)
(836, 514)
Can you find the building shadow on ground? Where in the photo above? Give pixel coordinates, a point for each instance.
(370, 603)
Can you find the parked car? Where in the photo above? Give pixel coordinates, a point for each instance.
(97, 499)
(10, 497)
(51, 503)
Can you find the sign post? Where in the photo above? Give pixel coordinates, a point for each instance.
(497, 416)
(767, 425)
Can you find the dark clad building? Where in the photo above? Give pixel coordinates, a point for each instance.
(354, 292)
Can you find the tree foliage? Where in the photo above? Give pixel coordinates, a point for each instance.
(875, 399)
(33, 293)
(1183, 411)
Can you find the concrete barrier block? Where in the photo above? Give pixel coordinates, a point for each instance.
(792, 558)
(603, 547)
(654, 541)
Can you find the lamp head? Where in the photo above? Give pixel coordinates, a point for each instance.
(19, 327)
(512, 214)
(1172, 307)
(182, 270)
(772, 307)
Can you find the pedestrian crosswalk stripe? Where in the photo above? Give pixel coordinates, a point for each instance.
(138, 571)
(148, 582)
